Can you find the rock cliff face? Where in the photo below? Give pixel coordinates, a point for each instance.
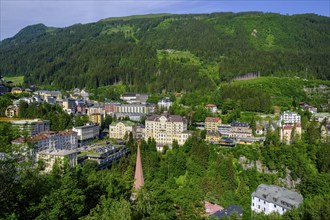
(287, 181)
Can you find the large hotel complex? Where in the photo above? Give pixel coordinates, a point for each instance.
(166, 128)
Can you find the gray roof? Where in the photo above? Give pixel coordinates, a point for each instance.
(171, 118)
(278, 195)
(228, 211)
(240, 124)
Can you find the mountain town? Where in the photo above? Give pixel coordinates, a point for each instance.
(177, 132)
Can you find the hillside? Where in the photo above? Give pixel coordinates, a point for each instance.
(170, 52)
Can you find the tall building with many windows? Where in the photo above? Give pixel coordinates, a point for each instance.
(165, 128)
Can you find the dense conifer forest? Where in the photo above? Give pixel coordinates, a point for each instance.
(177, 181)
(164, 52)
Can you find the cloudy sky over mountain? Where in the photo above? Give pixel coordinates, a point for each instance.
(17, 14)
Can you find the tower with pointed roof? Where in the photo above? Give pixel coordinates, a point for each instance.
(138, 178)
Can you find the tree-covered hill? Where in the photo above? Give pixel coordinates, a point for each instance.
(170, 52)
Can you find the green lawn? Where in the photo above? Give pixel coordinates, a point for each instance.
(17, 80)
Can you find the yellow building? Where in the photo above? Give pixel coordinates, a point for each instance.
(211, 123)
(118, 130)
(16, 90)
(213, 136)
(96, 118)
(50, 157)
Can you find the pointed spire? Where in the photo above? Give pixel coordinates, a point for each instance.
(138, 180)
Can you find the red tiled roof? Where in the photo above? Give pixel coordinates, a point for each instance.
(211, 105)
(37, 138)
(66, 132)
(212, 119)
(211, 208)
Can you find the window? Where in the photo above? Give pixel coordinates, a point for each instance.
(264, 202)
(264, 209)
(252, 204)
(274, 206)
(258, 206)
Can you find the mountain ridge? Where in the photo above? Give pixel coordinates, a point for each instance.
(125, 50)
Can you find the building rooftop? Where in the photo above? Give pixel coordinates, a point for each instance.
(212, 119)
(166, 99)
(289, 113)
(228, 211)
(49, 92)
(226, 140)
(211, 208)
(24, 121)
(140, 125)
(211, 105)
(57, 152)
(41, 136)
(86, 126)
(170, 118)
(291, 126)
(240, 124)
(278, 195)
(217, 133)
(127, 123)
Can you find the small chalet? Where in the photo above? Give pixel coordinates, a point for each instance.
(212, 108)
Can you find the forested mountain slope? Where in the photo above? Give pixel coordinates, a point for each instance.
(169, 52)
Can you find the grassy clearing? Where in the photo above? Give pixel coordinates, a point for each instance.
(187, 58)
(283, 90)
(127, 30)
(17, 80)
(184, 57)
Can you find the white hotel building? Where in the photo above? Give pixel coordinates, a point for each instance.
(48, 140)
(290, 117)
(165, 128)
(271, 198)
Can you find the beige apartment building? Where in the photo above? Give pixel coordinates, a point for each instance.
(165, 128)
(286, 132)
(50, 157)
(211, 123)
(118, 130)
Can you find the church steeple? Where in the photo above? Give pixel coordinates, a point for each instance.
(138, 179)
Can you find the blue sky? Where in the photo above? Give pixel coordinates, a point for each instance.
(17, 14)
